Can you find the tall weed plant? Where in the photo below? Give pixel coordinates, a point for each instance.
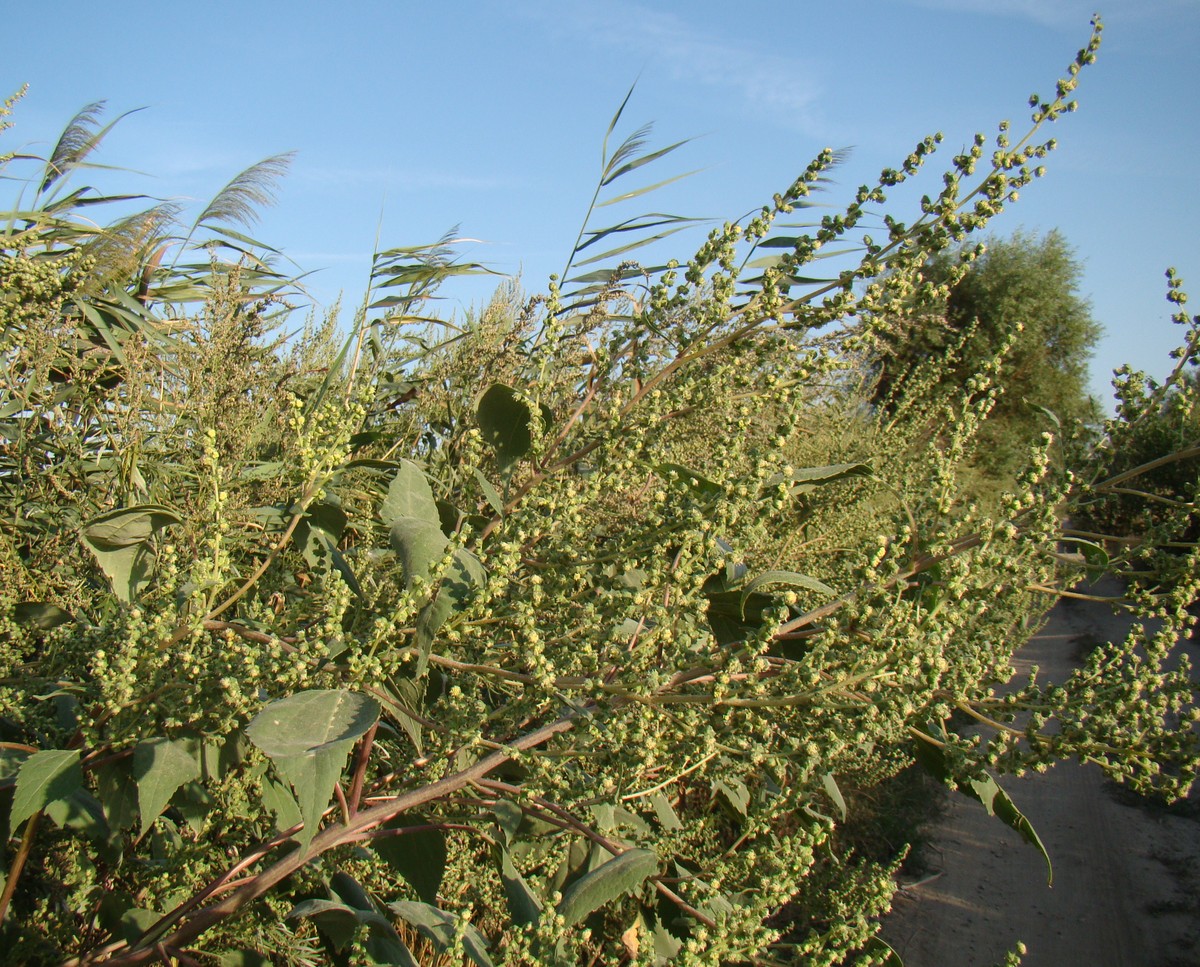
(559, 633)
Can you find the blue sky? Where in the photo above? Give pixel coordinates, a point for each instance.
(409, 118)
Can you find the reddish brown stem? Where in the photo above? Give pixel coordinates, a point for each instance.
(360, 769)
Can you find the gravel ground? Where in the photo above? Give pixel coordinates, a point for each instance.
(1126, 874)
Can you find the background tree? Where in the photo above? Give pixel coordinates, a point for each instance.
(1023, 288)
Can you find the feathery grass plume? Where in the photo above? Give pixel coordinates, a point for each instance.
(240, 200)
(78, 140)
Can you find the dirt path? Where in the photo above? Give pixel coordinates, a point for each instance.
(1126, 876)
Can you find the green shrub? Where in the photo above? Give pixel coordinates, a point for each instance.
(553, 635)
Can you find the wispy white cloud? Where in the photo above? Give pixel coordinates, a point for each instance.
(766, 83)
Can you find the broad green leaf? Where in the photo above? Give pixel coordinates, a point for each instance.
(523, 904)
(406, 698)
(338, 921)
(932, 758)
(308, 736)
(118, 540)
(665, 812)
(43, 778)
(128, 526)
(281, 804)
(194, 803)
(313, 777)
(621, 875)
(439, 927)
(304, 723)
(318, 533)
(409, 495)
(666, 944)
(118, 791)
(40, 615)
(790, 578)
(384, 945)
(160, 766)
(449, 517)
(420, 544)
(80, 811)
(350, 891)
(509, 817)
(218, 756)
(700, 485)
(418, 856)
(999, 804)
(462, 577)
(504, 421)
(807, 478)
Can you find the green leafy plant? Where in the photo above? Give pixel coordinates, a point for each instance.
(553, 634)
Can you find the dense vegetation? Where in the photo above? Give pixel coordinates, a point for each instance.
(1023, 289)
(574, 631)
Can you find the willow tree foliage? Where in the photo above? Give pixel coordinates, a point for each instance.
(1024, 285)
(570, 632)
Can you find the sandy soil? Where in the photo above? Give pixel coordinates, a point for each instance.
(1126, 875)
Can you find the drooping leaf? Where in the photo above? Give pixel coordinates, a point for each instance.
(697, 483)
(405, 700)
(128, 526)
(419, 543)
(462, 577)
(80, 811)
(490, 494)
(409, 495)
(194, 803)
(45, 777)
(308, 736)
(318, 533)
(523, 904)
(790, 578)
(995, 800)
(834, 793)
(418, 856)
(665, 812)
(338, 921)
(160, 766)
(509, 817)
(119, 542)
(281, 804)
(40, 615)
(504, 421)
(439, 927)
(735, 793)
(118, 791)
(804, 479)
(619, 876)
(999, 804)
